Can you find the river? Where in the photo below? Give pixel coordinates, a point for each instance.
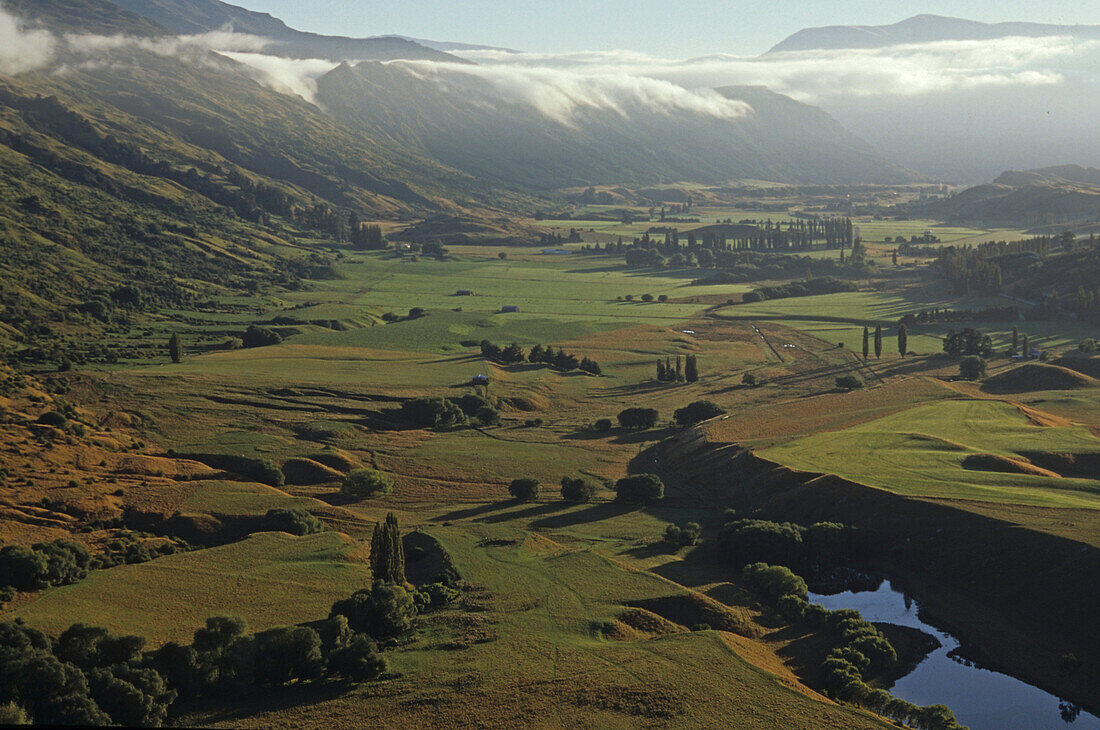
(980, 698)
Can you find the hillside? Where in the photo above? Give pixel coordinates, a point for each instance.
(466, 121)
(921, 29)
(188, 17)
(1065, 195)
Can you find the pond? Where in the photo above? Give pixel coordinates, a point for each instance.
(980, 698)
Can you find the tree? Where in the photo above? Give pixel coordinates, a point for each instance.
(774, 581)
(416, 312)
(696, 412)
(1087, 345)
(679, 370)
(969, 342)
(524, 489)
(866, 343)
(972, 367)
(878, 341)
(685, 535)
(383, 612)
(1026, 348)
(640, 489)
(502, 255)
(1015, 339)
(849, 382)
(749, 379)
(638, 418)
(903, 340)
(295, 521)
(366, 483)
(691, 369)
(387, 551)
(357, 659)
(577, 489)
(647, 297)
(175, 347)
(286, 654)
(603, 425)
(260, 337)
(432, 413)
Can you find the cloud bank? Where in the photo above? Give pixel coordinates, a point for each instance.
(23, 49)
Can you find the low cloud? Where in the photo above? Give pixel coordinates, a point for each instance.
(559, 93)
(296, 77)
(23, 49)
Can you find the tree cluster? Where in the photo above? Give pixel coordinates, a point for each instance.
(43, 565)
(577, 489)
(448, 413)
(967, 342)
(684, 535)
(1007, 313)
(809, 287)
(820, 547)
(693, 413)
(387, 552)
(638, 418)
(685, 371)
(514, 354)
(640, 489)
(294, 521)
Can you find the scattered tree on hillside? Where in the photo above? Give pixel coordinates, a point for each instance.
(1026, 348)
(691, 369)
(577, 489)
(638, 418)
(366, 483)
(866, 343)
(1015, 339)
(175, 347)
(969, 342)
(903, 340)
(524, 490)
(972, 367)
(696, 412)
(878, 341)
(640, 489)
(387, 552)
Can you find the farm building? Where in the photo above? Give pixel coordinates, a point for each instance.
(479, 380)
(509, 308)
(464, 293)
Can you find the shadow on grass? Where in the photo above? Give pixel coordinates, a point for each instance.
(471, 512)
(594, 513)
(538, 510)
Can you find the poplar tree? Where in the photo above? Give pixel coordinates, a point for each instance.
(175, 347)
(387, 554)
(679, 370)
(903, 340)
(1027, 348)
(878, 341)
(866, 343)
(1015, 339)
(691, 369)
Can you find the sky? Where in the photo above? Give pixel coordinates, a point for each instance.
(658, 27)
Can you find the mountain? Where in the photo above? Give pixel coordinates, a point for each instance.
(921, 29)
(467, 122)
(1067, 195)
(189, 17)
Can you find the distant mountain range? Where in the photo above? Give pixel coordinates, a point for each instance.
(921, 29)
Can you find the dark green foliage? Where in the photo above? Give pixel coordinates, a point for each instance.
(691, 368)
(93, 646)
(284, 655)
(640, 489)
(268, 472)
(638, 418)
(749, 379)
(685, 535)
(972, 367)
(295, 521)
(434, 595)
(866, 343)
(903, 340)
(175, 347)
(366, 484)
(416, 313)
(577, 489)
(603, 425)
(1087, 345)
(773, 581)
(44, 564)
(696, 412)
(256, 336)
(384, 612)
(750, 541)
(524, 490)
(849, 382)
(432, 413)
(53, 418)
(387, 551)
(357, 660)
(132, 696)
(878, 341)
(968, 342)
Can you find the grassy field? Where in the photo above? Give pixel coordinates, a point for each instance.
(921, 451)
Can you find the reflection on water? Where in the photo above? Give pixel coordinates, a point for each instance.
(981, 699)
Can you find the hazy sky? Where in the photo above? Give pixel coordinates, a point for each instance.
(662, 27)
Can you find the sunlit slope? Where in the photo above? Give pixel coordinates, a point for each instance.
(942, 450)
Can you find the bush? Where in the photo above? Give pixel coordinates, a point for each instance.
(416, 312)
(640, 489)
(1087, 345)
(638, 418)
(287, 654)
(972, 367)
(849, 382)
(366, 483)
(774, 581)
(295, 521)
(603, 425)
(647, 297)
(577, 490)
(383, 612)
(697, 412)
(53, 418)
(684, 536)
(357, 660)
(748, 379)
(435, 595)
(524, 490)
(260, 337)
(268, 472)
(432, 413)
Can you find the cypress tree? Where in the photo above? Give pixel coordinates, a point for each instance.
(660, 371)
(903, 340)
(679, 370)
(866, 343)
(1027, 348)
(1015, 339)
(387, 553)
(691, 369)
(878, 341)
(397, 549)
(175, 347)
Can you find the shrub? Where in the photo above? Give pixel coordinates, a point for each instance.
(849, 382)
(432, 413)
(435, 595)
(748, 379)
(268, 472)
(577, 489)
(295, 521)
(416, 312)
(638, 418)
(697, 412)
(383, 612)
(53, 418)
(647, 297)
(774, 581)
(357, 660)
(686, 535)
(662, 298)
(1087, 345)
(640, 489)
(286, 654)
(972, 367)
(524, 490)
(256, 336)
(603, 425)
(366, 483)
